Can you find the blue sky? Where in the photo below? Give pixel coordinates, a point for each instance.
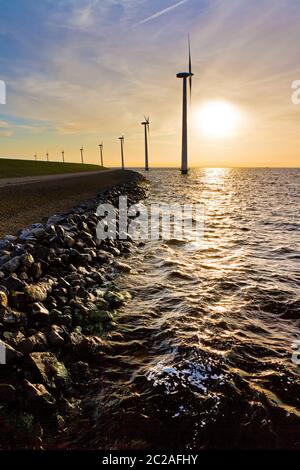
(82, 71)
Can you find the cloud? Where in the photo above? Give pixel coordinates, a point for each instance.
(161, 12)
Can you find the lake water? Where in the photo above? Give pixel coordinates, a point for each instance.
(202, 355)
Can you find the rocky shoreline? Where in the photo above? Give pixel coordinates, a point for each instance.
(57, 303)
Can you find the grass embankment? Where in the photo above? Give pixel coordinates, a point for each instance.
(10, 168)
(28, 203)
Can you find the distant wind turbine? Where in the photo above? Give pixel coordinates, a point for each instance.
(146, 125)
(81, 152)
(35, 157)
(122, 151)
(47, 156)
(63, 156)
(101, 152)
(185, 76)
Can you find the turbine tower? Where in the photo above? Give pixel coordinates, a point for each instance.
(47, 156)
(146, 125)
(185, 76)
(101, 152)
(81, 152)
(35, 157)
(63, 156)
(122, 151)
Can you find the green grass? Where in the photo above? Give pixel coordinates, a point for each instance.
(10, 168)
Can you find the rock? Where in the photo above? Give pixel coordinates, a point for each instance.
(12, 282)
(36, 342)
(125, 268)
(17, 300)
(69, 241)
(10, 354)
(13, 338)
(33, 232)
(27, 260)
(84, 346)
(39, 292)
(12, 265)
(3, 299)
(115, 299)
(38, 393)
(39, 311)
(12, 318)
(7, 393)
(48, 369)
(59, 318)
(36, 270)
(55, 336)
(80, 371)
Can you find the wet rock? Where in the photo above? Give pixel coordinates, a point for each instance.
(48, 369)
(116, 299)
(80, 371)
(7, 393)
(125, 268)
(38, 393)
(39, 311)
(12, 265)
(84, 346)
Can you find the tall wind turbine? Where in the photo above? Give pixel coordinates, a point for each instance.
(146, 125)
(185, 76)
(47, 156)
(81, 152)
(35, 157)
(101, 152)
(63, 156)
(122, 151)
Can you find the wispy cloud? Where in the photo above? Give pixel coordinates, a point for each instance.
(161, 12)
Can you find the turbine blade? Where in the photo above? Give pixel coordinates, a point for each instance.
(190, 56)
(190, 68)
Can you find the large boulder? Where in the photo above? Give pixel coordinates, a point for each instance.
(39, 292)
(38, 393)
(12, 265)
(48, 369)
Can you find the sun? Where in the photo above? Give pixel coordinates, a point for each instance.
(218, 119)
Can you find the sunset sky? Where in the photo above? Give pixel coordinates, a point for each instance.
(82, 71)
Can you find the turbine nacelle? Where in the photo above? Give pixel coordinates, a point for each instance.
(184, 75)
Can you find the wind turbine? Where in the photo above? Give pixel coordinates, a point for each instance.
(47, 156)
(122, 151)
(185, 76)
(101, 152)
(146, 125)
(81, 152)
(63, 156)
(35, 157)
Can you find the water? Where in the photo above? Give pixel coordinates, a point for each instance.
(202, 355)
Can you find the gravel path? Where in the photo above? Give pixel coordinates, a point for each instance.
(23, 204)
